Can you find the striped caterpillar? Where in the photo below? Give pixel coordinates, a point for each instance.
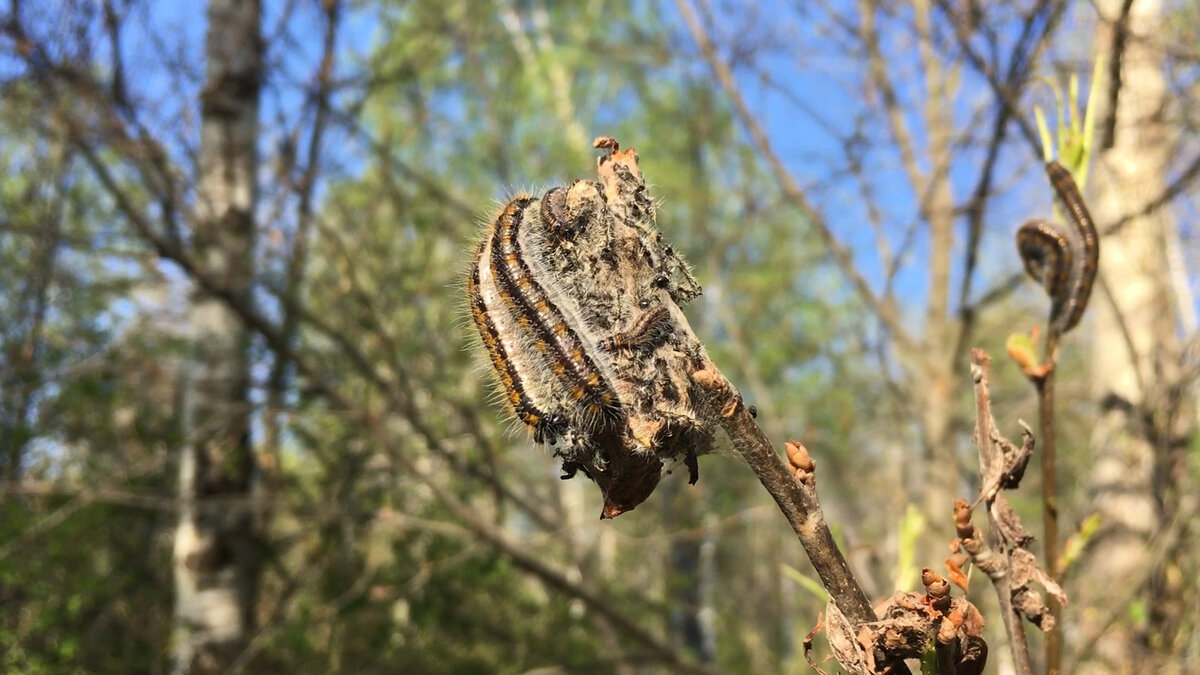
(1063, 260)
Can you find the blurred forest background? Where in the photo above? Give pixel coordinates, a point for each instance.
(241, 429)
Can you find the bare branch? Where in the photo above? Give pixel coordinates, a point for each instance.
(987, 557)
(884, 310)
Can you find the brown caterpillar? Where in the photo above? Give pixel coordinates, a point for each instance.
(647, 329)
(1063, 260)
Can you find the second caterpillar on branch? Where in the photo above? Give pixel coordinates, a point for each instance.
(1063, 259)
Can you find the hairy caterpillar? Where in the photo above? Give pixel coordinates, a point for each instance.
(575, 306)
(1063, 260)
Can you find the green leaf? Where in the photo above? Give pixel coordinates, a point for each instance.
(1079, 541)
(807, 584)
(1072, 144)
(911, 525)
(1020, 349)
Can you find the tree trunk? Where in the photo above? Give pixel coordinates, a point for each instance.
(1134, 322)
(218, 541)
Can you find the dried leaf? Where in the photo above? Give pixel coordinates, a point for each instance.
(937, 590)
(808, 645)
(957, 575)
(972, 620)
(1030, 605)
(1010, 524)
(1025, 570)
(974, 656)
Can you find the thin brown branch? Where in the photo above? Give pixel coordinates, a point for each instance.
(1120, 38)
(932, 189)
(937, 202)
(992, 557)
(1004, 90)
(877, 70)
(1008, 94)
(1045, 394)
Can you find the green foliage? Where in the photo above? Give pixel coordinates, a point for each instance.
(87, 596)
(909, 532)
(806, 582)
(84, 570)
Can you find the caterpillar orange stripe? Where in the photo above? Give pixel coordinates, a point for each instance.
(546, 322)
(546, 426)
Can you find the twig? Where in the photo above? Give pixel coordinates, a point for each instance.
(992, 557)
(1068, 303)
(1045, 393)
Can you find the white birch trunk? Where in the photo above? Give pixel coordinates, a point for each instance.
(217, 541)
(1133, 318)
